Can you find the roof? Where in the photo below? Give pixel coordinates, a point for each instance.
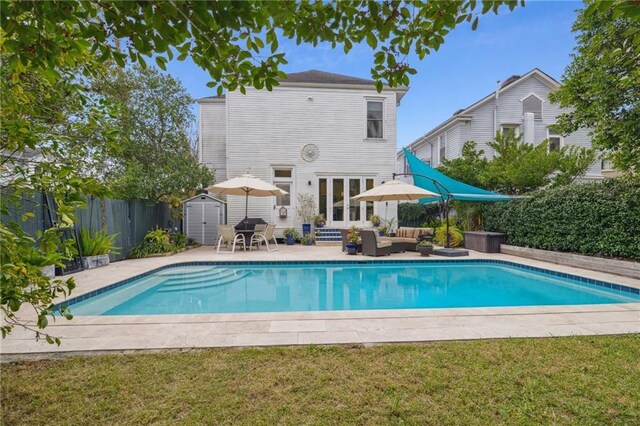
(322, 77)
(315, 78)
(462, 114)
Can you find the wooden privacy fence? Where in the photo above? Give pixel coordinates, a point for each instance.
(130, 220)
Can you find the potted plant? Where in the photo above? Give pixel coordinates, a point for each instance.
(306, 210)
(291, 235)
(387, 227)
(425, 248)
(319, 221)
(375, 220)
(353, 236)
(307, 240)
(96, 248)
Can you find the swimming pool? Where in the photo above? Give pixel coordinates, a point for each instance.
(325, 286)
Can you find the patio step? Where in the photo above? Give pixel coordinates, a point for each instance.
(328, 235)
(200, 284)
(329, 243)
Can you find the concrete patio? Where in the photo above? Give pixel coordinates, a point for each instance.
(152, 332)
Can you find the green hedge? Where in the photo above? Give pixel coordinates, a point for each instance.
(601, 219)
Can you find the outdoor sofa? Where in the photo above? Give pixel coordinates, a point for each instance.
(408, 238)
(372, 244)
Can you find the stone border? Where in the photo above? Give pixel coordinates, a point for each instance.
(611, 266)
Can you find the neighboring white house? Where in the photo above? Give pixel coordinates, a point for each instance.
(520, 104)
(329, 135)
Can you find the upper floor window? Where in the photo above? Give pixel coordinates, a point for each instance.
(374, 120)
(426, 161)
(442, 149)
(555, 140)
(532, 104)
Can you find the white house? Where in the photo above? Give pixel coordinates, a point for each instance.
(520, 104)
(329, 135)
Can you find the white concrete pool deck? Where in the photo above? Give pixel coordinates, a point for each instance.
(151, 332)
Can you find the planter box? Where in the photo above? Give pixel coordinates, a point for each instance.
(486, 242)
(91, 262)
(611, 266)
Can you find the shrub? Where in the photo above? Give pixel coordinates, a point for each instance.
(455, 235)
(98, 243)
(601, 219)
(157, 241)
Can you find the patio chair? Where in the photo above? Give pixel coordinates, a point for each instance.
(265, 236)
(228, 236)
(373, 246)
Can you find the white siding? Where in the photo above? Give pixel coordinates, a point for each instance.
(213, 130)
(266, 129)
(482, 127)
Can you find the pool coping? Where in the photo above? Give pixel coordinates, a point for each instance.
(599, 283)
(126, 334)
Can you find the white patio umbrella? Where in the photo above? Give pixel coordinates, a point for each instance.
(246, 185)
(394, 190)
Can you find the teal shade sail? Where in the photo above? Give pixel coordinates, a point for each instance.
(424, 177)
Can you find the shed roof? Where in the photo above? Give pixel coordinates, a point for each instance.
(212, 198)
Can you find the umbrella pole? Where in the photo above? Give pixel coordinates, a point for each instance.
(246, 207)
(446, 217)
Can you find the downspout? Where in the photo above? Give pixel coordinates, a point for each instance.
(495, 108)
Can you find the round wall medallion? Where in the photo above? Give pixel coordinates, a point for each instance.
(310, 152)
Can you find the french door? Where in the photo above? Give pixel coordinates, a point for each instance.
(334, 200)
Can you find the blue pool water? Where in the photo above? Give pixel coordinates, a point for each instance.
(334, 286)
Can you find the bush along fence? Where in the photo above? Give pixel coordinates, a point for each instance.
(601, 219)
(129, 220)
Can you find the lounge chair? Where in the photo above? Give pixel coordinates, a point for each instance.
(265, 236)
(228, 236)
(373, 246)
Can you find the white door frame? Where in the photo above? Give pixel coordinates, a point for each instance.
(345, 223)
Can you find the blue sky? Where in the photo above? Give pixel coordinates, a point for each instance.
(464, 70)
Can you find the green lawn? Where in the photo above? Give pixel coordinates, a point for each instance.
(575, 380)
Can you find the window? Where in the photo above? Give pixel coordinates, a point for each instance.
(514, 129)
(443, 149)
(606, 165)
(533, 104)
(555, 140)
(427, 161)
(374, 120)
(283, 179)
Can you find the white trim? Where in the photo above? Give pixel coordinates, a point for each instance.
(534, 94)
(542, 102)
(514, 126)
(381, 100)
(556, 135)
(442, 143)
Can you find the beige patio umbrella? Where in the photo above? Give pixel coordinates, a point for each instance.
(394, 190)
(246, 185)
